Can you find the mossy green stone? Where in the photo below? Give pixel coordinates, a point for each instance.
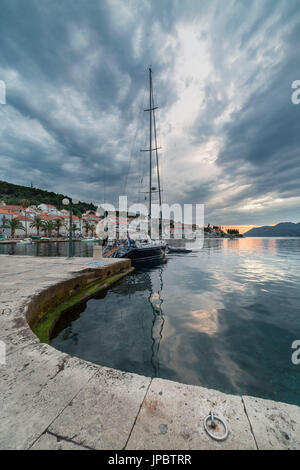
(44, 327)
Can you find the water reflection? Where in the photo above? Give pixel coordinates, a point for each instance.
(224, 318)
(142, 331)
(205, 321)
(156, 301)
(47, 249)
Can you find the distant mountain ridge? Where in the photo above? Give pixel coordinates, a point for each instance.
(284, 229)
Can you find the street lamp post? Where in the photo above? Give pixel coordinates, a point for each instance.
(68, 202)
(70, 231)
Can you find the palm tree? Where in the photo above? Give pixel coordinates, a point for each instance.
(37, 223)
(4, 224)
(14, 225)
(25, 203)
(86, 227)
(74, 227)
(58, 224)
(80, 221)
(47, 227)
(92, 229)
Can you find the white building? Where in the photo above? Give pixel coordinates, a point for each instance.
(49, 209)
(25, 221)
(6, 215)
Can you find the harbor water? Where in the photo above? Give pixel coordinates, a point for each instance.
(224, 317)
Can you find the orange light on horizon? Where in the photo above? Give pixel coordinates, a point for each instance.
(242, 228)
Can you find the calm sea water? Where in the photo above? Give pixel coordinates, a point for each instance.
(47, 249)
(224, 317)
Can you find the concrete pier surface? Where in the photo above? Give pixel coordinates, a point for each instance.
(50, 400)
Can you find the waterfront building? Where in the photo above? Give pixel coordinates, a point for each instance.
(49, 209)
(6, 215)
(26, 221)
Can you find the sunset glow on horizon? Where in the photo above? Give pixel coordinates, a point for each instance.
(242, 228)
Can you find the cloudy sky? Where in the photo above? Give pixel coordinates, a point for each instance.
(76, 86)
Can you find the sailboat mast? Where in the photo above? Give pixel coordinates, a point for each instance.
(157, 167)
(150, 150)
(151, 123)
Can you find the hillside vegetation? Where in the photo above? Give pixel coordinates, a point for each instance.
(15, 194)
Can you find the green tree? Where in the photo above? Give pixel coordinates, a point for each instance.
(57, 225)
(47, 227)
(4, 223)
(25, 203)
(86, 227)
(14, 225)
(37, 224)
(80, 221)
(74, 228)
(92, 229)
(233, 231)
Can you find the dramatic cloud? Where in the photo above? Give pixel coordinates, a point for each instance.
(76, 78)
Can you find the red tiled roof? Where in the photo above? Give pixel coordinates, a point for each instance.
(23, 218)
(10, 207)
(8, 212)
(52, 217)
(47, 217)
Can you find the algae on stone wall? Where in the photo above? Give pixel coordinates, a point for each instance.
(46, 324)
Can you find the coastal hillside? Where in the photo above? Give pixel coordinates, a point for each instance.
(285, 229)
(16, 194)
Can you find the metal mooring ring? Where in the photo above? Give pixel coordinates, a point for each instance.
(212, 418)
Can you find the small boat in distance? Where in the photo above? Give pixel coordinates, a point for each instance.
(25, 241)
(90, 240)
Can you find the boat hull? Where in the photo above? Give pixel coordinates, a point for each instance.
(172, 249)
(145, 254)
(138, 255)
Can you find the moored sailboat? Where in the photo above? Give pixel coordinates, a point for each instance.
(147, 249)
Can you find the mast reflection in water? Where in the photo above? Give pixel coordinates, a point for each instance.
(114, 333)
(156, 301)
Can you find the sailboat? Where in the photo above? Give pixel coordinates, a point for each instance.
(147, 250)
